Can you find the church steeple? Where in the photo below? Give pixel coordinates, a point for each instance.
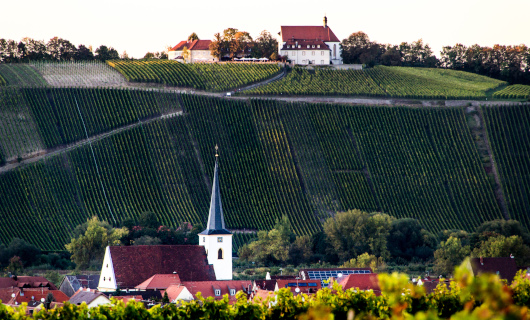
(216, 222)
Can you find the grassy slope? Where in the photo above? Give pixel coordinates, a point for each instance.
(303, 161)
(21, 74)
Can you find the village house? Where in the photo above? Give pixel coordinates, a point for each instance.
(72, 283)
(199, 51)
(92, 298)
(310, 45)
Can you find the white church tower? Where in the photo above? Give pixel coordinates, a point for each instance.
(215, 238)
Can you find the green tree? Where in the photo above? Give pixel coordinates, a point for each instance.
(450, 254)
(193, 37)
(60, 49)
(165, 299)
(149, 55)
(265, 46)
(407, 239)
(15, 266)
(49, 299)
(365, 260)
(186, 54)
(501, 246)
(83, 53)
(147, 241)
(148, 219)
(89, 248)
(217, 46)
(104, 53)
(354, 232)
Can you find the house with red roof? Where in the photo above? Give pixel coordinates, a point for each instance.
(31, 296)
(159, 281)
(363, 282)
(178, 293)
(299, 286)
(26, 282)
(310, 45)
(199, 51)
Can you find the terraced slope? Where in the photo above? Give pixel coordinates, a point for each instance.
(2, 81)
(383, 81)
(517, 91)
(303, 161)
(509, 132)
(205, 76)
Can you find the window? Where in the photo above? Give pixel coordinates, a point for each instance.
(307, 46)
(321, 61)
(313, 61)
(312, 46)
(217, 292)
(203, 239)
(303, 53)
(334, 51)
(287, 46)
(321, 53)
(219, 239)
(109, 278)
(318, 46)
(232, 292)
(104, 278)
(312, 53)
(292, 53)
(220, 254)
(107, 265)
(299, 46)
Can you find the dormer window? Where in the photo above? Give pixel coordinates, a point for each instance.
(312, 46)
(232, 292)
(217, 292)
(318, 46)
(307, 46)
(299, 46)
(107, 265)
(104, 278)
(203, 239)
(287, 46)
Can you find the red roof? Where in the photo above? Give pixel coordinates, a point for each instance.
(26, 281)
(368, 281)
(134, 264)
(305, 286)
(206, 288)
(505, 267)
(193, 45)
(262, 294)
(308, 33)
(29, 294)
(159, 281)
(173, 292)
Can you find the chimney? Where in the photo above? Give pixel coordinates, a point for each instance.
(325, 22)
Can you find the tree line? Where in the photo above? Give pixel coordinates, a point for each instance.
(508, 63)
(359, 239)
(232, 43)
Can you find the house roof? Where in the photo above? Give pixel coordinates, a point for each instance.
(174, 291)
(86, 296)
(216, 222)
(159, 281)
(262, 294)
(126, 299)
(305, 286)
(504, 267)
(313, 45)
(192, 45)
(133, 264)
(26, 282)
(266, 284)
(29, 295)
(206, 288)
(308, 33)
(82, 281)
(368, 281)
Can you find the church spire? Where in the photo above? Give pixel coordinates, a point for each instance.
(216, 222)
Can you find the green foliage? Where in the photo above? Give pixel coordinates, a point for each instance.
(450, 254)
(3, 82)
(421, 83)
(204, 76)
(408, 239)
(365, 260)
(354, 232)
(89, 248)
(501, 246)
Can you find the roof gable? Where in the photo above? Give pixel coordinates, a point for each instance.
(308, 33)
(216, 222)
(368, 281)
(133, 264)
(86, 296)
(192, 45)
(159, 281)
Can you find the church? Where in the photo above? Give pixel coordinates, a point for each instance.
(310, 45)
(125, 267)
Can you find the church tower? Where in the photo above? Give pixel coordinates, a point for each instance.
(215, 238)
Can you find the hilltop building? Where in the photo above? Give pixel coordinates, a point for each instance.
(216, 240)
(310, 45)
(199, 51)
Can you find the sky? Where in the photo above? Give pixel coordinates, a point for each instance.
(142, 26)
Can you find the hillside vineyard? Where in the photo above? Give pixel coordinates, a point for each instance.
(300, 160)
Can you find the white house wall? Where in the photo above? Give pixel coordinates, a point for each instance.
(316, 57)
(99, 301)
(223, 267)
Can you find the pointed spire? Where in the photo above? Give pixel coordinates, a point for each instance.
(216, 222)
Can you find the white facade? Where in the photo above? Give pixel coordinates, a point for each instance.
(99, 301)
(314, 57)
(107, 280)
(185, 295)
(219, 251)
(195, 56)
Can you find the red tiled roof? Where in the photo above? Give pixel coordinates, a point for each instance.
(173, 291)
(308, 33)
(134, 264)
(27, 281)
(313, 44)
(126, 299)
(26, 295)
(504, 267)
(368, 281)
(193, 45)
(159, 281)
(206, 288)
(262, 294)
(302, 284)
(266, 284)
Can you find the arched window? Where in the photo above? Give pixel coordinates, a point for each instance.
(220, 254)
(334, 51)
